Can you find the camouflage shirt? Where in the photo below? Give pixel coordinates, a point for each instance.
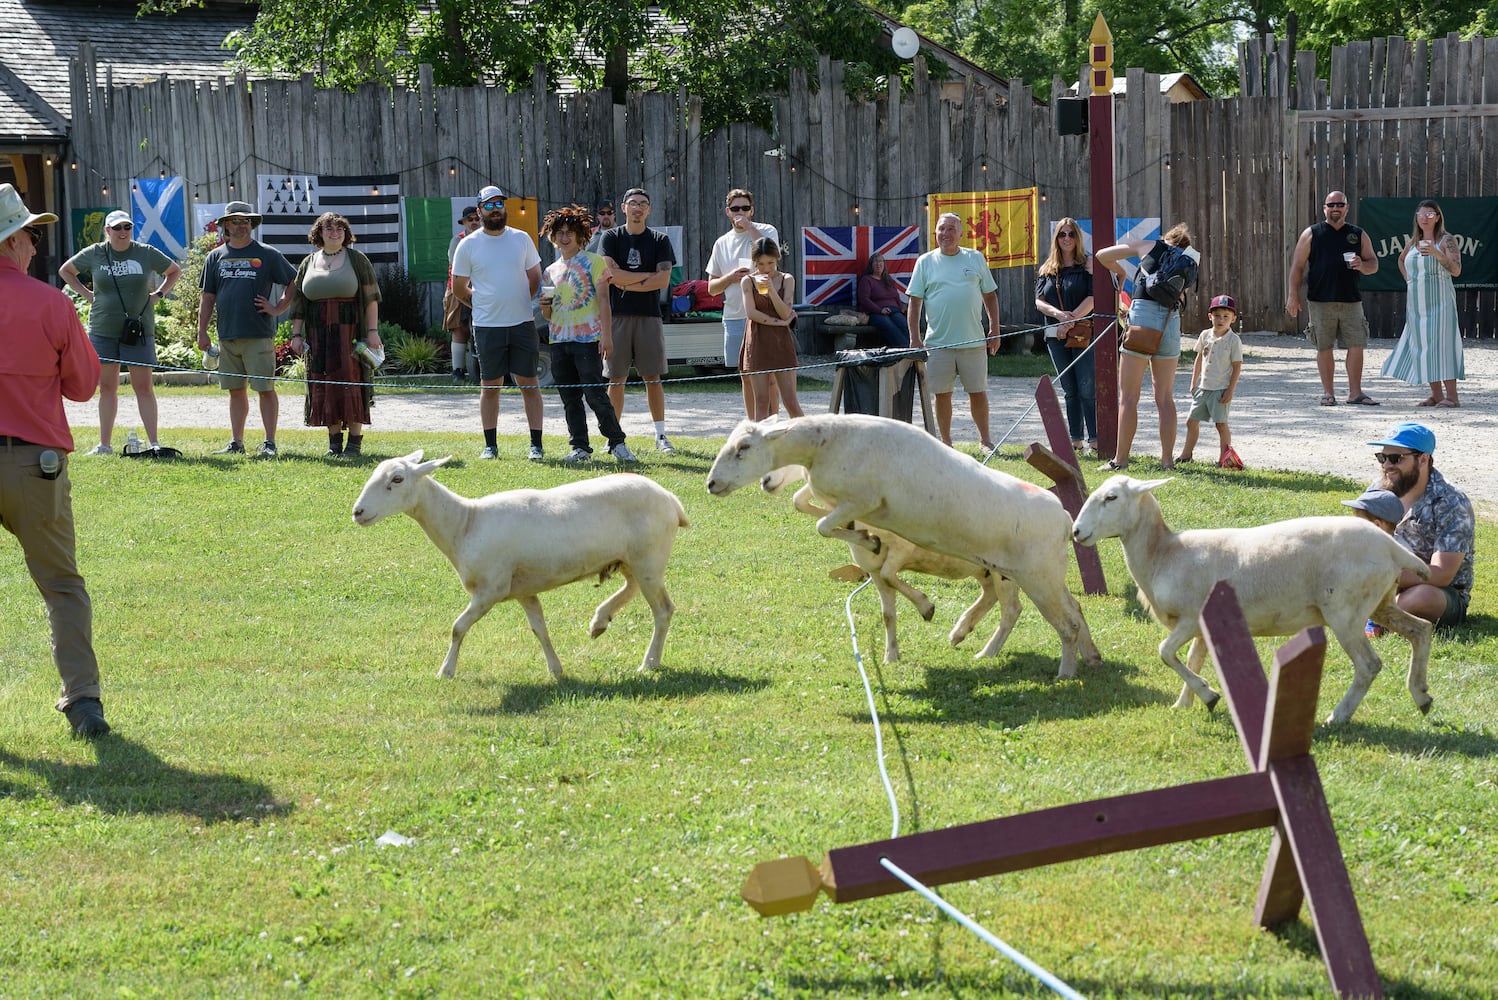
(1441, 521)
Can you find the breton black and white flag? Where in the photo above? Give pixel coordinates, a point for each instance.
(370, 202)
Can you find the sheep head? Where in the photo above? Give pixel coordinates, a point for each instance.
(1114, 508)
(393, 487)
(746, 457)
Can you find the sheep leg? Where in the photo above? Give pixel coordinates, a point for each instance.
(1365, 667)
(1418, 631)
(890, 575)
(1195, 657)
(1184, 631)
(606, 611)
(1006, 592)
(654, 590)
(988, 596)
(1061, 610)
(887, 610)
(838, 523)
(479, 604)
(532, 606)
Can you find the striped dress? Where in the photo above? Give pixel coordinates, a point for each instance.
(1431, 348)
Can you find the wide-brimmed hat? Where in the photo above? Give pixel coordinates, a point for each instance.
(241, 210)
(1382, 504)
(15, 216)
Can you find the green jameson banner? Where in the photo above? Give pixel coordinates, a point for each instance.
(1473, 221)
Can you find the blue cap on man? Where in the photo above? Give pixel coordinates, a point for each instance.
(1415, 437)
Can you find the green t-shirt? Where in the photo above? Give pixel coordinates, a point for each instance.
(138, 271)
(952, 288)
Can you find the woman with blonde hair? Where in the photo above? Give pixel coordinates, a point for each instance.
(1063, 294)
(1430, 351)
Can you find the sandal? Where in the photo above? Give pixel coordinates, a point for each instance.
(1328, 400)
(1364, 399)
(1448, 404)
(1430, 401)
(1112, 466)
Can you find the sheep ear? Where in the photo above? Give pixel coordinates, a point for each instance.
(414, 457)
(774, 433)
(426, 468)
(1153, 484)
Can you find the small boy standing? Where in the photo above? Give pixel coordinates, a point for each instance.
(1214, 378)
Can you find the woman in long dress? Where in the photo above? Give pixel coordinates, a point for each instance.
(1430, 351)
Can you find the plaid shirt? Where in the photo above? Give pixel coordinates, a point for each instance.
(1441, 521)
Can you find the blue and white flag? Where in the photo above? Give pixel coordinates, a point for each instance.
(291, 203)
(158, 207)
(1129, 230)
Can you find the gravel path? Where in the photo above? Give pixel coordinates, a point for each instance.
(1277, 421)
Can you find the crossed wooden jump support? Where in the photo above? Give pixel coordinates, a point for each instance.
(1274, 719)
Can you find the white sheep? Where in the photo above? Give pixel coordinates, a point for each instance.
(891, 475)
(897, 555)
(520, 543)
(1332, 571)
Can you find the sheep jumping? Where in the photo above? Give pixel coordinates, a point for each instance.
(1332, 571)
(520, 543)
(895, 556)
(893, 476)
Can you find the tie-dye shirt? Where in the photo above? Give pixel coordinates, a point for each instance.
(574, 311)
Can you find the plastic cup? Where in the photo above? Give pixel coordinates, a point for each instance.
(1425, 245)
(762, 282)
(548, 293)
(1349, 256)
(746, 263)
(210, 358)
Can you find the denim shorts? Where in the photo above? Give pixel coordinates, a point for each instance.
(1148, 313)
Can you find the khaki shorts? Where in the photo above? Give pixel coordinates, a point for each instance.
(945, 365)
(1337, 323)
(1207, 404)
(639, 342)
(247, 356)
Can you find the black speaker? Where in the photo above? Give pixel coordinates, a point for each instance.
(1071, 116)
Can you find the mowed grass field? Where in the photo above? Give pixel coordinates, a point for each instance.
(270, 673)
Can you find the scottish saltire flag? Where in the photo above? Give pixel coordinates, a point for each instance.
(1128, 230)
(292, 202)
(998, 224)
(158, 207)
(833, 258)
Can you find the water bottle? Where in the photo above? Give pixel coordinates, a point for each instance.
(132, 443)
(210, 358)
(50, 464)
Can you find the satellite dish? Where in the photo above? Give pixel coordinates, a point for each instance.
(905, 43)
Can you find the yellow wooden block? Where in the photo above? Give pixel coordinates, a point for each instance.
(789, 885)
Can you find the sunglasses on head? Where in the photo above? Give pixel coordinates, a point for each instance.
(492, 204)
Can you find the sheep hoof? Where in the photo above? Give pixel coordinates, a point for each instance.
(1211, 702)
(597, 629)
(1425, 708)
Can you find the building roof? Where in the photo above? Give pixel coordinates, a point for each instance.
(1177, 86)
(41, 36)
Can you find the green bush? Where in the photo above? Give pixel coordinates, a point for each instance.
(415, 356)
(402, 300)
(178, 355)
(180, 308)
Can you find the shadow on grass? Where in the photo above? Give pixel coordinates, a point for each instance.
(1414, 737)
(129, 779)
(524, 699)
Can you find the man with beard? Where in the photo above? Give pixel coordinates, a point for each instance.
(1438, 527)
(497, 271)
(1335, 254)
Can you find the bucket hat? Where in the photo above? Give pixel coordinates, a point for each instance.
(15, 216)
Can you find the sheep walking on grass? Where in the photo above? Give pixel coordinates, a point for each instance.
(890, 475)
(896, 555)
(520, 543)
(1332, 571)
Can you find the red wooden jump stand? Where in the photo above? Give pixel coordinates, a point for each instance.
(1059, 464)
(1274, 720)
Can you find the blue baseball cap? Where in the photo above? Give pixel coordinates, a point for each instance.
(1380, 503)
(1415, 437)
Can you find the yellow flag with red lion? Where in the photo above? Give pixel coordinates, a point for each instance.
(998, 224)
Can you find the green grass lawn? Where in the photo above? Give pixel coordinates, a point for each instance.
(270, 673)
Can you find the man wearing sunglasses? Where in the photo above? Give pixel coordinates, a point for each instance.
(1336, 254)
(729, 265)
(1438, 527)
(606, 220)
(497, 271)
(457, 318)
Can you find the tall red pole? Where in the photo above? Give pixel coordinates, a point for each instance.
(1104, 231)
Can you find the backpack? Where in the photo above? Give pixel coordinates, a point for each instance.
(1167, 272)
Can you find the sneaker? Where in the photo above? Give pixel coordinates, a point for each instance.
(622, 453)
(267, 450)
(578, 455)
(232, 448)
(663, 446)
(535, 454)
(460, 375)
(489, 452)
(1373, 630)
(101, 449)
(86, 716)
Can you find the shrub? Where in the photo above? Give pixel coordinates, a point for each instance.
(402, 300)
(180, 308)
(178, 355)
(416, 356)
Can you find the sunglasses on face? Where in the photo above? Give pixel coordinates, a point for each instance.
(492, 204)
(1426, 213)
(1336, 204)
(741, 208)
(123, 227)
(1384, 458)
(1066, 236)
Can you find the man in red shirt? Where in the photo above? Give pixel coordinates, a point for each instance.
(47, 356)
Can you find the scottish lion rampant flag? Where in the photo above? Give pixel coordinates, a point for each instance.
(370, 202)
(833, 258)
(998, 224)
(158, 207)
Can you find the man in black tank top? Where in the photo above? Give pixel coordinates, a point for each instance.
(1336, 254)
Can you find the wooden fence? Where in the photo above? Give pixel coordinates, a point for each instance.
(1245, 173)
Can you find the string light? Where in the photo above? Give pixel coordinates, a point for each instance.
(452, 168)
(856, 209)
(105, 190)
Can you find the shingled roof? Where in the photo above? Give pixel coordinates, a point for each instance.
(40, 36)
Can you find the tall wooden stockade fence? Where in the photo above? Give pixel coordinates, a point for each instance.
(1396, 118)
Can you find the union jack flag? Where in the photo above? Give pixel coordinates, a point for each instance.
(833, 258)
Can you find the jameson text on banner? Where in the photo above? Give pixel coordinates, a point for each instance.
(1389, 221)
(998, 224)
